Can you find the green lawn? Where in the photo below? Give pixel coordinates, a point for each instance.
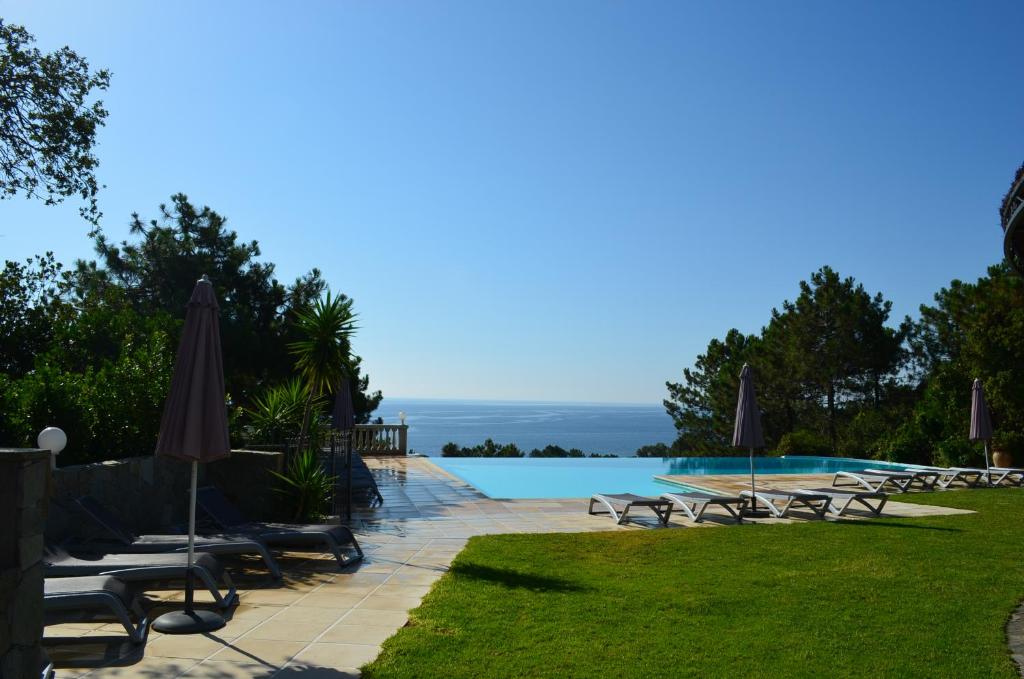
(922, 597)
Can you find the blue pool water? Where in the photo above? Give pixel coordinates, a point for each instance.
(520, 478)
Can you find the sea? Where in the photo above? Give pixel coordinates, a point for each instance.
(591, 427)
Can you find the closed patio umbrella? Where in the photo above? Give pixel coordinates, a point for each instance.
(746, 431)
(343, 419)
(981, 421)
(194, 428)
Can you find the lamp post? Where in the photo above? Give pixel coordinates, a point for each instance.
(54, 440)
(401, 417)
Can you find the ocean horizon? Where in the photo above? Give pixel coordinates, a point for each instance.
(606, 428)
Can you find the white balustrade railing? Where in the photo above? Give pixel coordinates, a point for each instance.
(381, 439)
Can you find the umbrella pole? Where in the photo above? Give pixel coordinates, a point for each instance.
(753, 490)
(189, 621)
(348, 475)
(191, 537)
(988, 469)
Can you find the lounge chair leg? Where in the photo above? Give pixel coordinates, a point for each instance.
(224, 601)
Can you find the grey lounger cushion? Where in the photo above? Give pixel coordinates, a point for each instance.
(124, 539)
(284, 535)
(58, 563)
(619, 504)
(73, 599)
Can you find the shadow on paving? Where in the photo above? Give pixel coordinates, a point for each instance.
(93, 651)
(512, 579)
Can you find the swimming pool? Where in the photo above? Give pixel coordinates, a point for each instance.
(531, 477)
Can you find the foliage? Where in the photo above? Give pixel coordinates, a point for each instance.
(822, 361)
(322, 351)
(594, 581)
(108, 410)
(159, 266)
(48, 127)
(803, 442)
(659, 450)
(276, 414)
(704, 403)
(556, 452)
(91, 350)
(31, 308)
(487, 449)
(974, 330)
(491, 449)
(306, 486)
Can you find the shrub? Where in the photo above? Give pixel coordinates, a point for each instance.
(804, 442)
(306, 486)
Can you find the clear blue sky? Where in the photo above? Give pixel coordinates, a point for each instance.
(557, 200)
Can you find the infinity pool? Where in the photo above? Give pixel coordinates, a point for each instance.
(531, 477)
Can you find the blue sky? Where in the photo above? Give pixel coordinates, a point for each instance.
(556, 200)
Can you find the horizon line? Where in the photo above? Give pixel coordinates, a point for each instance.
(518, 400)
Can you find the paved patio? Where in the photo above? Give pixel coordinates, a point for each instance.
(323, 622)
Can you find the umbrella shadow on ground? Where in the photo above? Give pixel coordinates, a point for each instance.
(512, 579)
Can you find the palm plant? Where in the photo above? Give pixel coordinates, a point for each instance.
(306, 485)
(322, 354)
(278, 412)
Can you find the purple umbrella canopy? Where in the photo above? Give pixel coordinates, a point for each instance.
(194, 426)
(747, 432)
(981, 421)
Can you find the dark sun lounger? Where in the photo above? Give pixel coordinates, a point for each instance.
(298, 536)
(618, 505)
(123, 539)
(695, 502)
(143, 568)
(80, 598)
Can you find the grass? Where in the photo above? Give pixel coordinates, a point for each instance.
(890, 597)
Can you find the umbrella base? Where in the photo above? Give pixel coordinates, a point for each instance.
(755, 513)
(188, 622)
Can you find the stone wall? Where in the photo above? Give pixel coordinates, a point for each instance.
(151, 493)
(23, 480)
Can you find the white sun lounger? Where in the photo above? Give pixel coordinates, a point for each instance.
(1012, 475)
(948, 476)
(877, 479)
(695, 502)
(842, 499)
(817, 503)
(619, 504)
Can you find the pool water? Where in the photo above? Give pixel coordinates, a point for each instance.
(529, 477)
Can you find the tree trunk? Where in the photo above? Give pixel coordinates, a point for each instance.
(832, 415)
(305, 417)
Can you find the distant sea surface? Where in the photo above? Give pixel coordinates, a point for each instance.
(593, 428)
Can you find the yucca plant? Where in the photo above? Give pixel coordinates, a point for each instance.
(306, 486)
(322, 355)
(277, 413)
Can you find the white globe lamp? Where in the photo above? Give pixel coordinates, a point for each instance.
(54, 440)
(401, 416)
